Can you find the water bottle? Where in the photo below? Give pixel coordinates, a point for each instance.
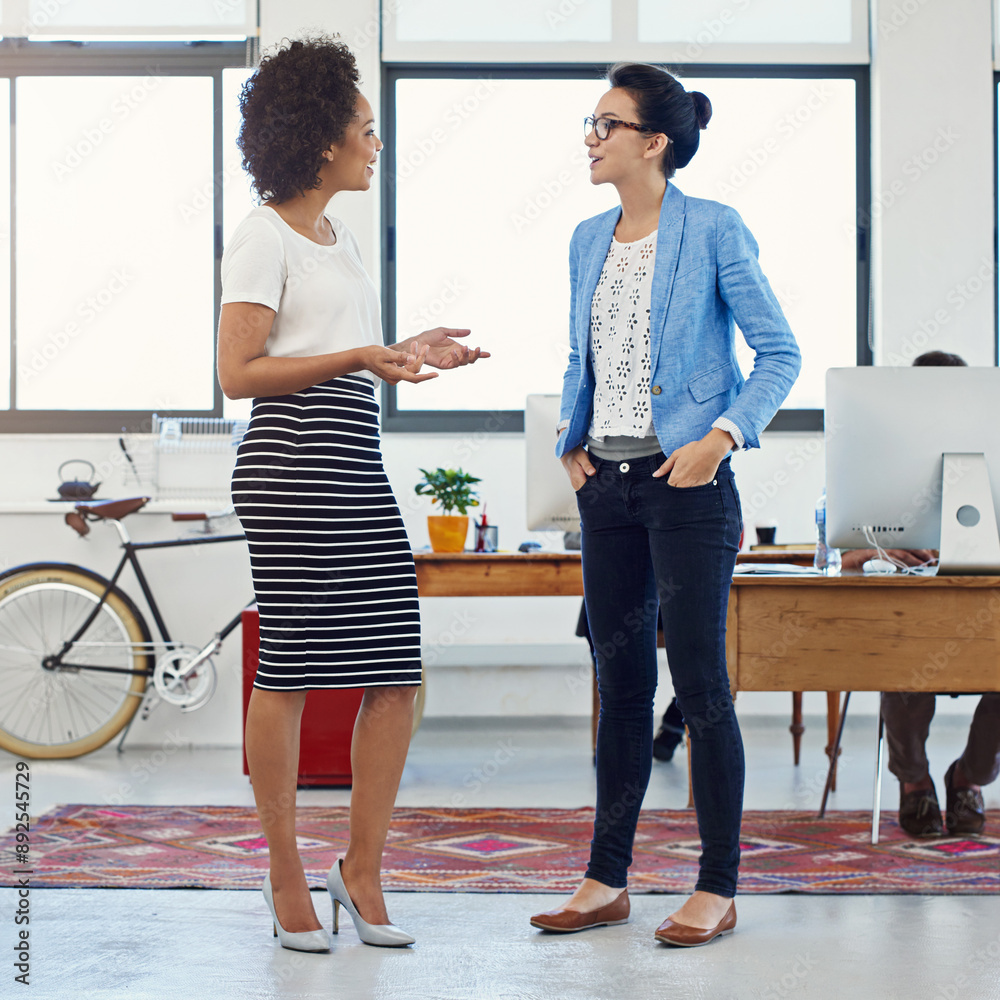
(826, 559)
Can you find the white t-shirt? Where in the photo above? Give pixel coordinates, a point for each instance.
(323, 298)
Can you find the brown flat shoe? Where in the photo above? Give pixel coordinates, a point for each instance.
(670, 932)
(566, 921)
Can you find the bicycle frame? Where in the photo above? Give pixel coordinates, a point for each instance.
(130, 557)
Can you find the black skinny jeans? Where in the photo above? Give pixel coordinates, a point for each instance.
(648, 545)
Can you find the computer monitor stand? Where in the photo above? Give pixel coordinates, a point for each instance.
(970, 543)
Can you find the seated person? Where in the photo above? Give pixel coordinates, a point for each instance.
(908, 717)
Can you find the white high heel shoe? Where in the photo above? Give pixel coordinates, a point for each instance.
(297, 940)
(383, 935)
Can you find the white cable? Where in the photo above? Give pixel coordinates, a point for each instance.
(881, 553)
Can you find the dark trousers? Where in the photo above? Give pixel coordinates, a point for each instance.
(648, 546)
(908, 720)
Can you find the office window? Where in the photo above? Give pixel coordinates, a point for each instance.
(543, 32)
(5, 243)
(487, 176)
(743, 22)
(111, 19)
(115, 289)
(116, 236)
(511, 21)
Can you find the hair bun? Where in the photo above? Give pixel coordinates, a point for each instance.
(702, 108)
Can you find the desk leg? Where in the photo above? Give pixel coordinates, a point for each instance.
(832, 727)
(796, 728)
(877, 804)
(829, 773)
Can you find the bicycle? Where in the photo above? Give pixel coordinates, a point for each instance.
(78, 656)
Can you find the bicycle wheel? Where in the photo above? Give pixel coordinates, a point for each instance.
(70, 710)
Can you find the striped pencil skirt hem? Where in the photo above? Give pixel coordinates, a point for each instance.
(332, 568)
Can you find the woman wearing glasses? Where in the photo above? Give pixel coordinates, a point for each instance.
(653, 404)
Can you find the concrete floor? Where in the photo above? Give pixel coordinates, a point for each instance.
(192, 944)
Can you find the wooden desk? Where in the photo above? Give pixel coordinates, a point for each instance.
(858, 633)
(501, 574)
(796, 633)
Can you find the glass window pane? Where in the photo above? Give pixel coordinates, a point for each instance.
(5, 251)
(494, 258)
(115, 277)
(49, 15)
(484, 213)
(783, 154)
(510, 21)
(703, 22)
(237, 195)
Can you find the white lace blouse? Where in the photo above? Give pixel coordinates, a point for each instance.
(619, 341)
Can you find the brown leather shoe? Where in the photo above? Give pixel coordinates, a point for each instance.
(670, 932)
(919, 812)
(965, 811)
(565, 921)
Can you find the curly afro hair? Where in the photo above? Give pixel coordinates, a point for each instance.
(299, 102)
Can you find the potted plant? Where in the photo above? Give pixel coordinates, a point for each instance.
(451, 490)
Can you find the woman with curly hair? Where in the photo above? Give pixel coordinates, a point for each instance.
(333, 573)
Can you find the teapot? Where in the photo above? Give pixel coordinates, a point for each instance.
(77, 489)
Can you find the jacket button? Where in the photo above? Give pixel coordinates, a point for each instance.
(655, 390)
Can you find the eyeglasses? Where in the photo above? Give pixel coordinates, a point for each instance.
(603, 126)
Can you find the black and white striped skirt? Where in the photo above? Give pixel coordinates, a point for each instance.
(332, 569)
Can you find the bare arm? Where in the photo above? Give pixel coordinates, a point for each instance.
(246, 371)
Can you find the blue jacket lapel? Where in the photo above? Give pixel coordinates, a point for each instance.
(668, 246)
(594, 263)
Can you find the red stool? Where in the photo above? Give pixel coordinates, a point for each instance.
(327, 720)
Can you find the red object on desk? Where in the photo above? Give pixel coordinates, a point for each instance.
(327, 720)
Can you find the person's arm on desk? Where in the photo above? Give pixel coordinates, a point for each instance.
(856, 558)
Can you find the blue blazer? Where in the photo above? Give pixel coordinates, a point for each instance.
(705, 278)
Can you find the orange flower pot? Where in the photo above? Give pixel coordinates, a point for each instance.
(448, 531)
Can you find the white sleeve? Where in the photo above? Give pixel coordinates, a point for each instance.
(253, 264)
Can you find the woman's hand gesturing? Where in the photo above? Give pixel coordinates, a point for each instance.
(443, 352)
(396, 366)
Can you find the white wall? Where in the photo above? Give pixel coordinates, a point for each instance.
(519, 655)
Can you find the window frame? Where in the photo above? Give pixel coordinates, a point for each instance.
(20, 58)
(996, 210)
(397, 420)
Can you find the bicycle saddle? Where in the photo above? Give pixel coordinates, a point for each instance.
(114, 510)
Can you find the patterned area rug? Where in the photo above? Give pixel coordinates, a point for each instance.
(495, 850)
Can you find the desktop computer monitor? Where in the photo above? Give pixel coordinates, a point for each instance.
(913, 456)
(551, 500)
